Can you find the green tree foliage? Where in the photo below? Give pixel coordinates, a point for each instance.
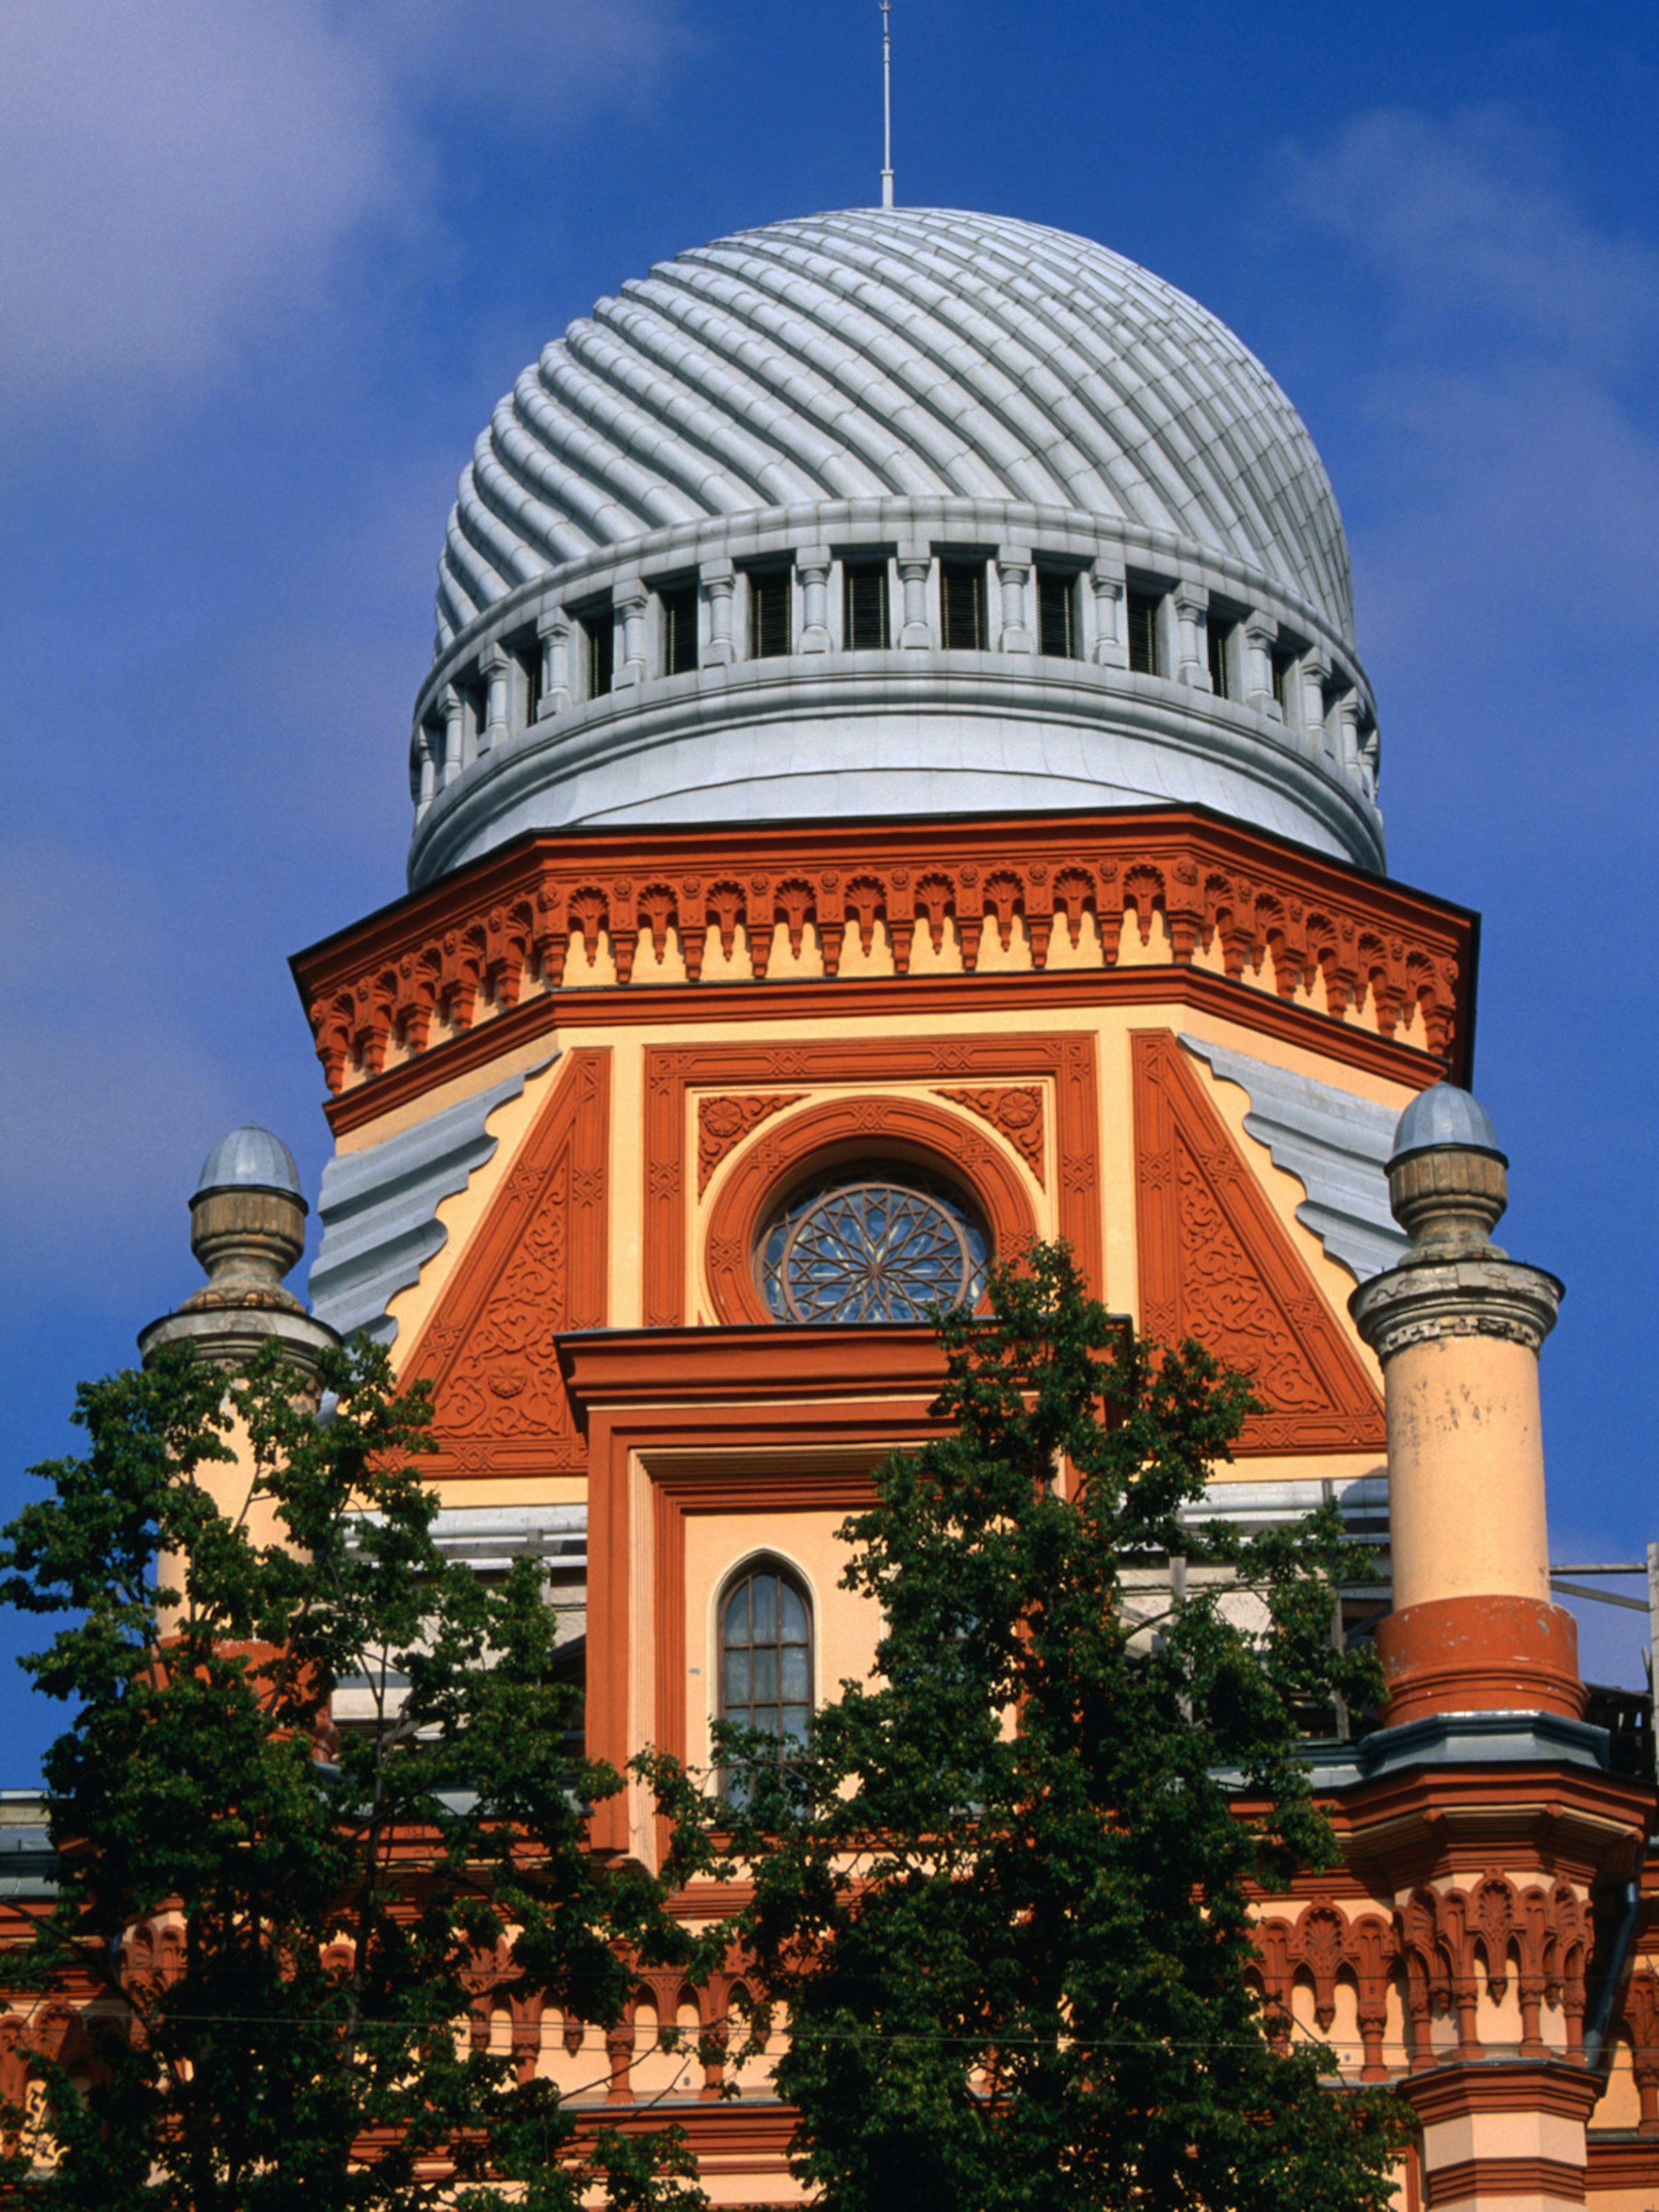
(1004, 1890)
(333, 1901)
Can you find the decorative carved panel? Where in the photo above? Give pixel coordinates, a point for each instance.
(1277, 937)
(724, 1122)
(673, 1073)
(535, 1265)
(1014, 1111)
(1216, 1264)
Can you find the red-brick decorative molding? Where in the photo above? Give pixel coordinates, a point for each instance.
(1458, 1655)
(1322, 1946)
(1216, 1264)
(672, 1072)
(536, 1264)
(890, 1128)
(494, 946)
(1640, 2022)
(773, 1420)
(723, 1123)
(1542, 1933)
(1014, 1111)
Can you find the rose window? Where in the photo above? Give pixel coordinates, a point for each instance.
(871, 1247)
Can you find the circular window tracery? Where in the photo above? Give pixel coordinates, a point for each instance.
(872, 1245)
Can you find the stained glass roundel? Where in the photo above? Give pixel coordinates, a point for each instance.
(868, 1247)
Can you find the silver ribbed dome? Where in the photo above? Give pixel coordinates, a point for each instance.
(917, 353)
(890, 395)
(249, 1158)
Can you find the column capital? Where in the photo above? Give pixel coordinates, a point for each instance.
(1428, 1301)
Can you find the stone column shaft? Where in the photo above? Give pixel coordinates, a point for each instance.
(719, 580)
(813, 564)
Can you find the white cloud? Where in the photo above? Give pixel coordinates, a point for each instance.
(1468, 223)
(1506, 395)
(175, 172)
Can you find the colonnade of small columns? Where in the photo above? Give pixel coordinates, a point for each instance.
(617, 632)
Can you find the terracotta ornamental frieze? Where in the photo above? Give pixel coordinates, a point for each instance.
(1098, 907)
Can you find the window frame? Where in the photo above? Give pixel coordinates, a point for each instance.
(739, 1579)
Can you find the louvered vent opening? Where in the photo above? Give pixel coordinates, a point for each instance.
(600, 631)
(864, 606)
(962, 604)
(1056, 614)
(679, 628)
(1221, 657)
(1143, 633)
(768, 614)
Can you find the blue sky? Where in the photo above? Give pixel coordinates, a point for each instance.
(265, 266)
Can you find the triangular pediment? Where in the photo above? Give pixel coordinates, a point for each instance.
(535, 1265)
(1217, 1264)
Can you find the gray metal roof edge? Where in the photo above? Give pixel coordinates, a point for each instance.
(1334, 1142)
(378, 1208)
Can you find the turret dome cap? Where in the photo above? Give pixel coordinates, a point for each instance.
(250, 1159)
(1444, 1115)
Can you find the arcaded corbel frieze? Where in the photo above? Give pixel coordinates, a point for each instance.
(1261, 636)
(1191, 605)
(1014, 577)
(915, 568)
(812, 565)
(554, 631)
(719, 581)
(1106, 586)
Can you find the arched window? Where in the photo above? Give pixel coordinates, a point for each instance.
(766, 1654)
(876, 1243)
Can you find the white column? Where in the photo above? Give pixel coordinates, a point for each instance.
(1111, 646)
(497, 676)
(1347, 724)
(916, 566)
(1192, 614)
(454, 734)
(554, 631)
(719, 581)
(813, 563)
(1260, 635)
(1014, 574)
(426, 771)
(629, 600)
(1311, 673)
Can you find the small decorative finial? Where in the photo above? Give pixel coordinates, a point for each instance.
(887, 106)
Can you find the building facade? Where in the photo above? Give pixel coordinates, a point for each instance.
(896, 780)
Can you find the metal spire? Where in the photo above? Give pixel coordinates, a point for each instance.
(886, 107)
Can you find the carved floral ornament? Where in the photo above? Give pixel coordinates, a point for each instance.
(1275, 922)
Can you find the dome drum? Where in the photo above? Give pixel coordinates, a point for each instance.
(512, 733)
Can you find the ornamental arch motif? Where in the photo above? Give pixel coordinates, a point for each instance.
(908, 1132)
